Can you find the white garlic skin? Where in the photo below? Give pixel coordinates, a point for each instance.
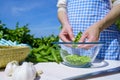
(26, 71)
(10, 67)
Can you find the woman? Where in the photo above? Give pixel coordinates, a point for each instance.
(94, 18)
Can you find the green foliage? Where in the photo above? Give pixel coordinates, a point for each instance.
(19, 34)
(42, 49)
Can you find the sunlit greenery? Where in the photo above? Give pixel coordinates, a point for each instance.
(42, 49)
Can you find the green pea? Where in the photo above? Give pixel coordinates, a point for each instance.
(77, 60)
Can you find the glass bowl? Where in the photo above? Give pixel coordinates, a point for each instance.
(75, 56)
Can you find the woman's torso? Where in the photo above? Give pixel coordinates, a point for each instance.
(83, 13)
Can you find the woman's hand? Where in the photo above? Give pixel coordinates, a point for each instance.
(91, 35)
(66, 34)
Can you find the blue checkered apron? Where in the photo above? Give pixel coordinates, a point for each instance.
(83, 13)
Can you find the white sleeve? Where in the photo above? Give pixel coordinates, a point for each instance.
(61, 4)
(116, 2)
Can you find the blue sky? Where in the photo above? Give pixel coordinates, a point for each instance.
(41, 15)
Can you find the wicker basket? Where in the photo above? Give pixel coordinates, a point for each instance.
(10, 53)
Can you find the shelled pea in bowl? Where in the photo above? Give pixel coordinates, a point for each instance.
(80, 57)
(75, 56)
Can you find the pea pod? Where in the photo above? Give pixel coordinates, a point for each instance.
(77, 38)
(41, 60)
(54, 55)
(50, 58)
(37, 55)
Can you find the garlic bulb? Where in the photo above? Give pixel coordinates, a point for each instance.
(10, 67)
(26, 71)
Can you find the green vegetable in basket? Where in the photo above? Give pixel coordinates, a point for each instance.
(77, 60)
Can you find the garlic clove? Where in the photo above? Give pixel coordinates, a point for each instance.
(26, 71)
(19, 74)
(10, 67)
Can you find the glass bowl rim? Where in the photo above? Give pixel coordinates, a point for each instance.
(78, 42)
